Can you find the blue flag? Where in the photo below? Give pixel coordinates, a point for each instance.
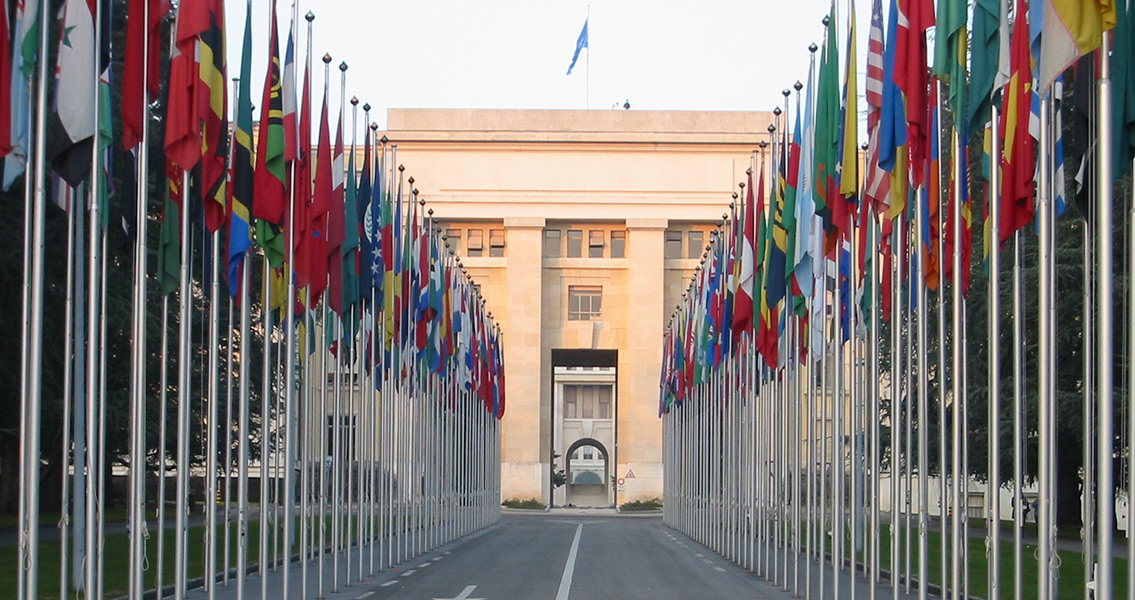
(580, 44)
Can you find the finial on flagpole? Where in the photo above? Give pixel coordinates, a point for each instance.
(813, 47)
(383, 139)
(776, 111)
(326, 59)
(343, 66)
(355, 102)
(785, 93)
(402, 168)
(411, 180)
(797, 86)
(366, 107)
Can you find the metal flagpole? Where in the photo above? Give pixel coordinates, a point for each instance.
(940, 378)
(68, 372)
(214, 398)
(102, 429)
(228, 427)
(185, 300)
(923, 410)
(31, 406)
(909, 258)
(838, 397)
(1087, 506)
(138, 392)
(994, 377)
(825, 396)
(1018, 423)
(1046, 434)
(242, 425)
(874, 413)
(1105, 440)
(291, 425)
(897, 395)
(955, 376)
(265, 418)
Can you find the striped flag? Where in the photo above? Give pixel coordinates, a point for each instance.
(878, 180)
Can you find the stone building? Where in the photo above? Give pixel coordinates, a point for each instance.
(583, 229)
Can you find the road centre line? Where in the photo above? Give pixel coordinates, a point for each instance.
(569, 567)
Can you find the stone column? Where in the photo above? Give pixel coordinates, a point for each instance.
(526, 452)
(639, 430)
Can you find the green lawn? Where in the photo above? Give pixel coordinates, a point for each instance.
(116, 554)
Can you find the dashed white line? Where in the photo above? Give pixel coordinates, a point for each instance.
(391, 582)
(366, 595)
(697, 554)
(409, 573)
(720, 569)
(569, 567)
(423, 565)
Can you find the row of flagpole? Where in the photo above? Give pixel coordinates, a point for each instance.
(767, 392)
(378, 417)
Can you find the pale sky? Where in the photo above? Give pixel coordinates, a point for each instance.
(659, 55)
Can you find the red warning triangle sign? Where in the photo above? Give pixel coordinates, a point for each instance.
(630, 474)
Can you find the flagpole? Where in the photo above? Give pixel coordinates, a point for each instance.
(31, 407)
(228, 424)
(1046, 434)
(291, 426)
(242, 425)
(587, 79)
(181, 549)
(955, 376)
(994, 374)
(1105, 501)
(265, 416)
(68, 372)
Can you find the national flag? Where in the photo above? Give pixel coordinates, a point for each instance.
(1123, 91)
(169, 239)
(984, 53)
(801, 258)
(288, 93)
(849, 159)
(240, 234)
(350, 248)
(743, 302)
(1071, 29)
(300, 230)
(892, 123)
(142, 56)
(911, 74)
(271, 169)
(828, 125)
(878, 182)
(950, 48)
(196, 131)
(767, 338)
(775, 285)
(580, 44)
(336, 226)
(365, 223)
(1017, 160)
(931, 202)
(73, 122)
(25, 46)
(315, 253)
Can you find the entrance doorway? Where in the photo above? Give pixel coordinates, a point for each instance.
(584, 436)
(587, 474)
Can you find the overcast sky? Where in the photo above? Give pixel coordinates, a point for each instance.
(658, 55)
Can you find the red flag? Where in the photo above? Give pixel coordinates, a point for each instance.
(1018, 158)
(912, 75)
(143, 16)
(269, 186)
(303, 196)
(316, 251)
(336, 231)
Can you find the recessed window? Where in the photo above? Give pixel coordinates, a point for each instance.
(496, 242)
(575, 243)
(696, 245)
(476, 245)
(673, 244)
(587, 402)
(595, 242)
(618, 244)
(553, 246)
(453, 236)
(585, 302)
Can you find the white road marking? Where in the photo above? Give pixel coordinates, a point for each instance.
(409, 573)
(697, 554)
(464, 595)
(569, 567)
(423, 565)
(437, 558)
(720, 569)
(366, 595)
(391, 582)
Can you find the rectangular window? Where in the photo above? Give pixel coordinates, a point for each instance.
(571, 407)
(595, 243)
(553, 248)
(673, 244)
(575, 243)
(476, 246)
(585, 302)
(618, 244)
(453, 236)
(697, 245)
(496, 242)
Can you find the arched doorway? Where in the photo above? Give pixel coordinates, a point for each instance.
(587, 470)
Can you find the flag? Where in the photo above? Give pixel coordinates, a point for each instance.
(240, 234)
(931, 202)
(350, 248)
(580, 44)
(365, 223)
(1070, 29)
(315, 251)
(828, 125)
(169, 239)
(849, 159)
(950, 55)
(1081, 145)
(984, 53)
(892, 122)
(300, 229)
(288, 91)
(1017, 159)
(767, 311)
(73, 122)
(271, 169)
(143, 26)
(1123, 91)
(196, 131)
(915, 17)
(25, 46)
(743, 302)
(805, 197)
(878, 182)
(336, 226)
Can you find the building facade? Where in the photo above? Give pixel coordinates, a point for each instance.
(583, 229)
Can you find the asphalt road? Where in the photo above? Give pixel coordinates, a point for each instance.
(550, 556)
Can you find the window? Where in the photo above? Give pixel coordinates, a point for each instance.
(673, 244)
(552, 246)
(697, 245)
(453, 236)
(575, 243)
(584, 302)
(587, 402)
(476, 246)
(496, 242)
(618, 244)
(589, 454)
(595, 242)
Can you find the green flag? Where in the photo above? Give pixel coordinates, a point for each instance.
(169, 246)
